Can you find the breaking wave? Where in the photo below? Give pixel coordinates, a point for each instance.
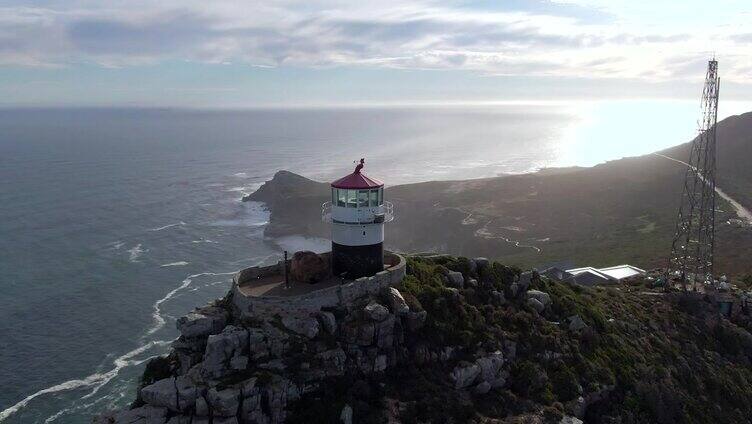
(177, 224)
(178, 263)
(159, 320)
(135, 253)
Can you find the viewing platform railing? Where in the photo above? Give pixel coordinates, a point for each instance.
(364, 216)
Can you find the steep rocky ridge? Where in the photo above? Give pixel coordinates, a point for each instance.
(459, 340)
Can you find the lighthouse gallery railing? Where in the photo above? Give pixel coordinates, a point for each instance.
(386, 216)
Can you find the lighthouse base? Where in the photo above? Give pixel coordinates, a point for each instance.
(357, 261)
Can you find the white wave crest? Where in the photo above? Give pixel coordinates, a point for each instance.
(159, 320)
(135, 253)
(117, 244)
(178, 263)
(177, 224)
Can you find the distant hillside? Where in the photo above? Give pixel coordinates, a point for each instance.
(616, 212)
(734, 154)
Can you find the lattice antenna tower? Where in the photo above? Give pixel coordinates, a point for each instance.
(692, 249)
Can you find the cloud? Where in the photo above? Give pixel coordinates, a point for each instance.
(542, 38)
(167, 34)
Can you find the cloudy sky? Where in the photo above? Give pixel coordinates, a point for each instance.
(255, 53)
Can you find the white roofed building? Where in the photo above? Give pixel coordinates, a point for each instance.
(621, 272)
(589, 276)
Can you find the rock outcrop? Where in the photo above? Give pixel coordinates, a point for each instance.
(308, 267)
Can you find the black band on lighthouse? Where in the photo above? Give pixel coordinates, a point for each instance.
(357, 261)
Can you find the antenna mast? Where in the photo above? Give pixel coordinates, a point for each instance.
(692, 248)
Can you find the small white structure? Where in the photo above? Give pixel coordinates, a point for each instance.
(590, 276)
(620, 272)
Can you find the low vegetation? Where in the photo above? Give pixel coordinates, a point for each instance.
(641, 358)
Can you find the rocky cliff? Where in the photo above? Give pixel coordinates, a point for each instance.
(459, 340)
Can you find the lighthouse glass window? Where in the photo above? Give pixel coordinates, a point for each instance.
(352, 200)
(374, 198)
(362, 198)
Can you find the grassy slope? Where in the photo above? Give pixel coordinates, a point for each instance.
(666, 359)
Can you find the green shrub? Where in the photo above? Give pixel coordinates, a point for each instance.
(528, 379)
(565, 384)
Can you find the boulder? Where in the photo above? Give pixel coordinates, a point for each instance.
(480, 263)
(536, 304)
(239, 363)
(365, 333)
(181, 419)
(510, 349)
(490, 365)
(384, 332)
(308, 267)
(146, 414)
(332, 362)
(380, 363)
(308, 327)
(576, 323)
(251, 411)
(397, 302)
(225, 402)
(447, 353)
(525, 279)
(499, 381)
(542, 297)
(454, 293)
(577, 407)
(187, 392)
(482, 388)
(472, 282)
(376, 311)
(221, 348)
(498, 297)
(514, 288)
(465, 375)
(455, 279)
(162, 393)
(202, 407)
(327, 321)
(346, 415)
(570, 420)
(258, 347)
(202, 323)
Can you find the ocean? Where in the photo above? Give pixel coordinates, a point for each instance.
(115, 222)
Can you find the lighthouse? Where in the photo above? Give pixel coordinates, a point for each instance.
(357, 213)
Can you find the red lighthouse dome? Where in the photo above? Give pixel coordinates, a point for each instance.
(357, 180)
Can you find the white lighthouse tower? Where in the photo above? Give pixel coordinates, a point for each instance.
(357, 213)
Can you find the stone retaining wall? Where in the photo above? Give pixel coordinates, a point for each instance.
(304, 305)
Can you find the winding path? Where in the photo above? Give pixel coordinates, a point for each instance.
(742, 212)
(485, 233)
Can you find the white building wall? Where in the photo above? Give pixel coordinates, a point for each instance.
(362, 214)
(357, 235)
